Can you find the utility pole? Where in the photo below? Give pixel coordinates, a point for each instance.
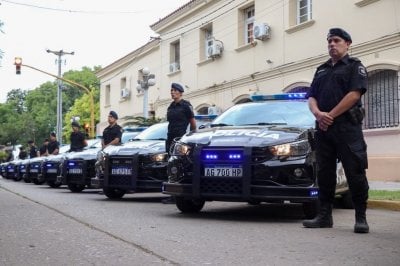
(59, 93)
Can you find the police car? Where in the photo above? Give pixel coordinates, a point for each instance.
(261, 151)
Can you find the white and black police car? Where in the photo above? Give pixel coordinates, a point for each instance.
(261, 151)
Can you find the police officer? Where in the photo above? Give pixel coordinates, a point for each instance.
(43, 148)
(54, 146)
(334, 99)
(112, 134)
(179, 115)
(33, 152)
(77, 138)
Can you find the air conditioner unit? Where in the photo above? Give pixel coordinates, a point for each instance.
(173, 67)
(125, 93)
(261, 31)
(214, 49)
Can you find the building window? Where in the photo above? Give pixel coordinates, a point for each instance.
(248, 24)
(208, 40)
(175, 57)
(107, 95)
(381, 101)
(304, 11)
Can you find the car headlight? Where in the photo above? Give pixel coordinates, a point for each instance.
(181, 149)
(160, 157)
(298, 148)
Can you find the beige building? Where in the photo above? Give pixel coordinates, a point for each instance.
(222, 51)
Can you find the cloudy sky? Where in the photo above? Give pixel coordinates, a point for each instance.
(98, 32)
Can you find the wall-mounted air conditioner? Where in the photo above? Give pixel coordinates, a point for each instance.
(261, 31)
(173, 67)
(214, 49)
(125, 93)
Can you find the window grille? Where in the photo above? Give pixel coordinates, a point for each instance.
(381, 101)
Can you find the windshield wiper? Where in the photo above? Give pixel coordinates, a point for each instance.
(219, 125)
(266, 124)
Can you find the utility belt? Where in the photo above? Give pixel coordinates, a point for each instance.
(355, 115)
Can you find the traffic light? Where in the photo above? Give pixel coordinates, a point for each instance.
(18, 63)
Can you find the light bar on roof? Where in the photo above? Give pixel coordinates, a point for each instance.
(282, 96)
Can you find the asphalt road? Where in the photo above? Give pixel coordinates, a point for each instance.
(44, 226)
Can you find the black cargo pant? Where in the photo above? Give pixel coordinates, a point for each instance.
(343, 140)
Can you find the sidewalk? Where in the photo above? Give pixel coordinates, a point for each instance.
(384, 204)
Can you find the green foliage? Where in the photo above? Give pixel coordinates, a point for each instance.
(32, 115)
(384, 195)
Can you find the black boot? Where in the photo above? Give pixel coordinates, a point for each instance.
(323, 218)
(361, 225)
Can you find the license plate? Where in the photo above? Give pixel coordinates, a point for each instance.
(223, 170)
(51, 171)
(75, 171)
(34, 170)
(121, 171)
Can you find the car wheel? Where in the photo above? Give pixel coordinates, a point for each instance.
(17, 178)
(37, 182)
(76, 188)
(53, 184)
(114, 193)
(310, 209)
(346, 201)
(254, 202)
(189, 205)
(27, 180)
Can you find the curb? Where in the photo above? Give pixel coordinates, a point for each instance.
(384, 204)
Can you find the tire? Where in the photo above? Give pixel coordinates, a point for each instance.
(346, 202)
(17, 178)
(76, 188)
(53, 184)
(27, 180)
(189, 205)
(37, 182)
(254, 202)
(114, 193)
(310, 209)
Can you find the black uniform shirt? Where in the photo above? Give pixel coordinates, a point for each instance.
(332, 83)
(178, 116)
(53, 145)
(77, 140)
(112, 132)
(33, 152)
(43, 149)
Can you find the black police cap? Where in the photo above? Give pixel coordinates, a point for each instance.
(177, 87)
(113, 114)
(75, 124)
(340, 33)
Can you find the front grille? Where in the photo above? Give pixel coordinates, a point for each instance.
(221, 186)
(260, 154)
(118, 180)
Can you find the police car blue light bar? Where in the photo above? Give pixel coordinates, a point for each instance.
(205, 117)
(282, 96)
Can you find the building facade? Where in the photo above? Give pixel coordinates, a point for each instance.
(223, 51)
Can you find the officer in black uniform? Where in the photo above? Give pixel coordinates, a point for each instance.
(113, 133)
(179, 115)
(33, 152)
(77, 138)
(334, 99)
(43, 148)
(54, 146)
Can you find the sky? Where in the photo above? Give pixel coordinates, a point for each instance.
(99, 32)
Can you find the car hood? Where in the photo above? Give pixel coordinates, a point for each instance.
(140, 146)
(88, 154)
(245, 136)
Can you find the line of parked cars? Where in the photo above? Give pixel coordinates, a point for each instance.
(261, 151)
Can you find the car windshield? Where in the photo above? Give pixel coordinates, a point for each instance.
(290, 113)
(127, 136)
(155, 132)
(64, 148)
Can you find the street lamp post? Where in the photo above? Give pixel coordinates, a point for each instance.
(143, 86)
(59, 93)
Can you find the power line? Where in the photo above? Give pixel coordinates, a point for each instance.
(75, 11)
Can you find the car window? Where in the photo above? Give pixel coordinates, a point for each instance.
(291, 113)
(156, 131)
(126, 136)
